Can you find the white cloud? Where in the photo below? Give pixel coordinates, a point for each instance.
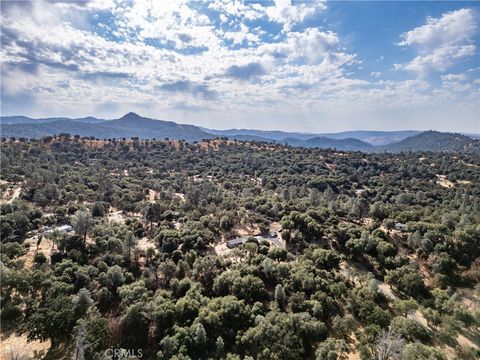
(439, 59)
(288, 14)
(453, 84)
(441, 41)
(173, 60)
(454, 77)
(452, 28)
(243, 35)
(237, 9)
(169, 22)
(312, 45)
(283, 12)
(223, 18)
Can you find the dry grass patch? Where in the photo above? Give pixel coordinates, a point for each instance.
(19, 346)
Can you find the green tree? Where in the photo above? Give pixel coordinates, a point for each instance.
(200, 335)
(40, 258)
(129, 244)
(82, 303)
(405, 307)
(98, 210)
(52, 320)
(82, 223)
(409, 329)
(153, 212)
(219, 347)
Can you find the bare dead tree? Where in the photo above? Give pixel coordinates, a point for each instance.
(80, 343)
(389, 346)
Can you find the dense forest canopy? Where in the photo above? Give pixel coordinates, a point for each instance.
(121, 244)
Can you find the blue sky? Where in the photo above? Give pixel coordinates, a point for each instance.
(313, 66)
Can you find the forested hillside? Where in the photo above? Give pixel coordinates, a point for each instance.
(348, 144)
(129, 125)
(337, 255)
(434, 141)
(133, 125)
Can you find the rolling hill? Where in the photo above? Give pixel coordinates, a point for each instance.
(278, 136)
(134, 125)
(377, 138)
(434, 141)
(349, 144)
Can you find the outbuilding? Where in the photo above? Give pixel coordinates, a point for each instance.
(236, 242)
(401, 227)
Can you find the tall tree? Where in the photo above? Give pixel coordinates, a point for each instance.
(130, 242)
(82, 223)
(152, 213)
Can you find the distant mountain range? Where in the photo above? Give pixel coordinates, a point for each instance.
(129, 125)
(28, 120)
(134, 125)
(371, 137)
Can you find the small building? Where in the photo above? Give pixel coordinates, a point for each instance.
(62, 229)
(65, 228)
(401, 227)
(236, 242)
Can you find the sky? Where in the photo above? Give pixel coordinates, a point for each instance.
(310, 66)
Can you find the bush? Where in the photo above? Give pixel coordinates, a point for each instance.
(331, 349)
(98, 210)
(40, 258)
(410, 329)
(417, 351)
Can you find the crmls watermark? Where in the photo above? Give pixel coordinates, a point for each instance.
(123, 354)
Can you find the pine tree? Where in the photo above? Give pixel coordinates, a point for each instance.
(200, 335)
(82, 303)
(219, 347)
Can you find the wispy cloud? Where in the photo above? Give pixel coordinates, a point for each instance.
(186, 86)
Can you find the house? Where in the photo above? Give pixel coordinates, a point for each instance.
(62, 229)
(65, 228)
(401, 227)
(236, 242)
